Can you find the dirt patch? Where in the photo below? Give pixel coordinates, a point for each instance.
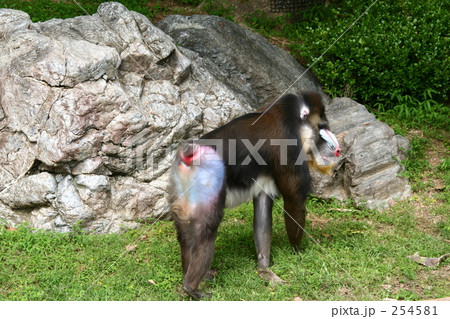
(427, 277)
(239, 8)
(168, 7)
(425, 280)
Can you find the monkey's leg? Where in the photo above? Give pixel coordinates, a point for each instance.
(294, 218)
(294, 207)
(202, 253)
(183, 235)
(185, 256)
(262, 233)
(262, 228)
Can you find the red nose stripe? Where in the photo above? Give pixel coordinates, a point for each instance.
(337, 152)
(187, 159)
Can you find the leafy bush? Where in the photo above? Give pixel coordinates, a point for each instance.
(414, 111)
(399, 48)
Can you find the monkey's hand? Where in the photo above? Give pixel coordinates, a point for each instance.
(269, 276)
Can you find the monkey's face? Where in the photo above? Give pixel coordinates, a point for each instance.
(326, 153)
(316, 137)
(331, 142)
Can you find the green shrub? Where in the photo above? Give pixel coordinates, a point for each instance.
(266, 26)
(399, 48)
(415, 112)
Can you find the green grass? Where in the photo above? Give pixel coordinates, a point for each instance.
(352, 254)
(42, 10)
(340, 261)
(414, 112)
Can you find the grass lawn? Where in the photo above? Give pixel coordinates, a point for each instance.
(348, 253)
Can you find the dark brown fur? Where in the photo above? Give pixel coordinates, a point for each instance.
(292, 179)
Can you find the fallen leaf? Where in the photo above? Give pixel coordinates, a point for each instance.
(152, 282)
(298, 299)
(427, 261)
(131, 247)
(10, 228)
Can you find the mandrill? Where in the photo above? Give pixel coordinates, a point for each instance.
(258, 156)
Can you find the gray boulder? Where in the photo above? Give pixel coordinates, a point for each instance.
(91, 111)
(249, 62)
(93, 108)
(368, 170)
(30, 191)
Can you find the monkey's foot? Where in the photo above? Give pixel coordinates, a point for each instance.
(271, 277)
(197, 294)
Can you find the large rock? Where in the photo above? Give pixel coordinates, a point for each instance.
(368, 171)
(92, 109)
(250, 63)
